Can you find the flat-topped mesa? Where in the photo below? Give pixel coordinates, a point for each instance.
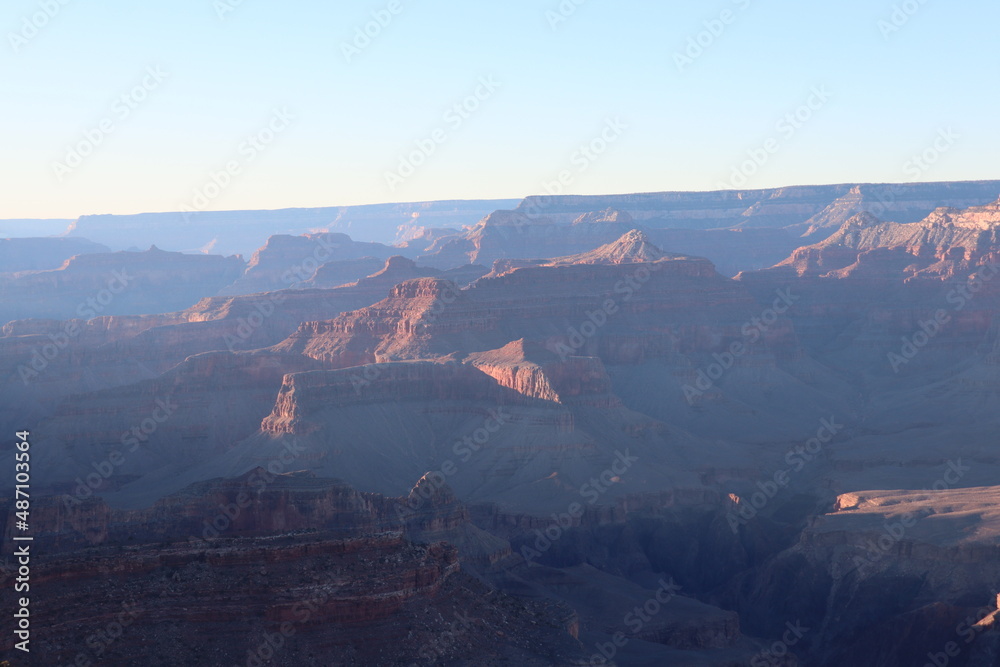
(397, 265)
(777, 207)
(510, 219)
(530, 369)
(305, 394)
(608, 215)
(120, 283)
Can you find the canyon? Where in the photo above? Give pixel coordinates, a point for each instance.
(770, 416)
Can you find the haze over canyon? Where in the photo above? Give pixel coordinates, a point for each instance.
(733, 428)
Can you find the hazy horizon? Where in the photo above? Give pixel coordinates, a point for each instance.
(500, 198)
(318, 111)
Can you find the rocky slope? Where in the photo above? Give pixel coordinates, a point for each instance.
(948, 243)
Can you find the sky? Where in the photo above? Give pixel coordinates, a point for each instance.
(128, 107)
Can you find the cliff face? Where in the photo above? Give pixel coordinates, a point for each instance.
(304, 394)
(345, 572)
(309, 600)
(534, 371)
(905, 569)
(143, 432)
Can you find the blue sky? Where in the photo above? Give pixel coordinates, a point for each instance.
(266, 92)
